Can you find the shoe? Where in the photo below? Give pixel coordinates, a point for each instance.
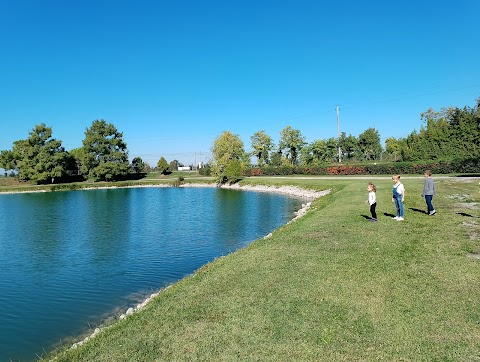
(395, 218)
(432, 213)
(372, 219)
(400, 218)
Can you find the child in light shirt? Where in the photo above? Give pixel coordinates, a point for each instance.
(372, 200)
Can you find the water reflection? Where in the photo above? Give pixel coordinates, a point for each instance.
(68, 259)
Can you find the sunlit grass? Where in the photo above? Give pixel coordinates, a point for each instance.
(331, 286)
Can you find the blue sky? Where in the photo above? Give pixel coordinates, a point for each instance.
(172, 74)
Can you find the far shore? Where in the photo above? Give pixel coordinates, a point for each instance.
(286, 190)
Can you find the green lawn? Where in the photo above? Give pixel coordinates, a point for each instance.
(331, 286)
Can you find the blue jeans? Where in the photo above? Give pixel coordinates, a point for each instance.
(399, 206)
(428, 200)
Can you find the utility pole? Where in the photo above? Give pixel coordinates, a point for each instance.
(338, 124)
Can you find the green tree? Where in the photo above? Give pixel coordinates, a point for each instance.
(332, 150)
(465, 125)
(262, 145)
(276, 158)
(451, 132)
(315, 153)
(445, 134)
(7, 160)
(233, 171)
(349, 146)
(229, 158)
(393, 147)
(104, 155)
(39, 158)
(291, 142)
(138, 165)
(369, 144)
(162, 166)
(78, 155)
(306, 156)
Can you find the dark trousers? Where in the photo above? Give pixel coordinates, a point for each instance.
(372, 210)
(428, 200)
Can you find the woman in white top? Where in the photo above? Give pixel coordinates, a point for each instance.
(398, 197)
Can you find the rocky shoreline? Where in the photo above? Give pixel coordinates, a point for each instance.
(286, 190)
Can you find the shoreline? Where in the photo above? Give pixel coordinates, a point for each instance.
(282, 189)
(285, 190)
(293, 191)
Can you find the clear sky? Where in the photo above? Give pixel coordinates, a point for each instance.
(173, 74)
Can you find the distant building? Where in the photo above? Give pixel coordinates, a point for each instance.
(184, 168)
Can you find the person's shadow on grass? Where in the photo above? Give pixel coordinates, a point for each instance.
(418, 210)
(467, 215)
(389, 215)
(366, 217)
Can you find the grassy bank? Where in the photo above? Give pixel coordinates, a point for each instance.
(331, 286)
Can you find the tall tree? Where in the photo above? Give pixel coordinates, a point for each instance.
(348, 145)
(446, 134)
(369, 144)
(332, 150)
(291, 142)
(40, 157)
(229, 158)
(105, 154)
(466, 129)
(262, 145)
(163, 166)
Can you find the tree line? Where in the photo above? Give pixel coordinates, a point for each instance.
(449, 134)
(42, 158)
(103, 156)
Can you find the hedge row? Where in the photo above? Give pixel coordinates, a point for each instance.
(468, 166)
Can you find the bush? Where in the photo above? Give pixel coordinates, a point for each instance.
(468, 166)
(256, 172)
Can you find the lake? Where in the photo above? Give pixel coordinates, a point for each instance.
(70, 260)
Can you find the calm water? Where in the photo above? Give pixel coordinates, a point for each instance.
(68, 260)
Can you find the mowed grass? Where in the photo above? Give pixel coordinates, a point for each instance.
(331, 286)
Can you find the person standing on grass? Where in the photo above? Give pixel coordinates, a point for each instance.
(398, 197)
(429, 191)
(372, 200)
